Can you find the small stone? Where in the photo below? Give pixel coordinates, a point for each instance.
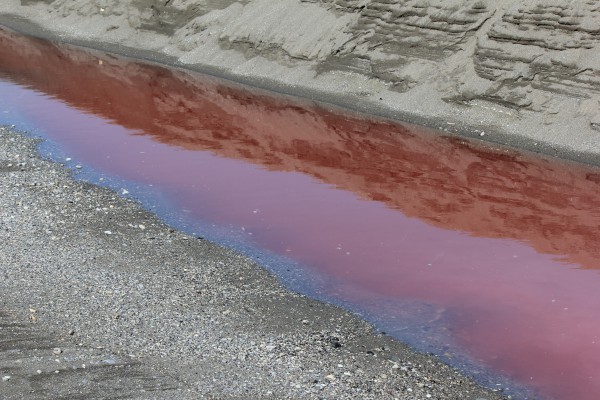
(108, 232)
(335, 342)
(6, 378)
(56, 350)
(305, 321)
(330, 378)
(39, 371)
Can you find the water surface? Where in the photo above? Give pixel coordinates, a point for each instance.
(487, 257)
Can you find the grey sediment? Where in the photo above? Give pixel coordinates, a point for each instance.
(99, 297)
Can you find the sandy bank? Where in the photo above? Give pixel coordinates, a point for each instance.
(512, 72)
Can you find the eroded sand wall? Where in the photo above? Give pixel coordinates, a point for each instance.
(524, 73)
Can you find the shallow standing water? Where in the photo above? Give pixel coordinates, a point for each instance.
(489, 258)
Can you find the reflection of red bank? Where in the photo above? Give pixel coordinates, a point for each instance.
(528, 305)
(451, 184)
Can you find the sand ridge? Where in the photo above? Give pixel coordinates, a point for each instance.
(513, 72)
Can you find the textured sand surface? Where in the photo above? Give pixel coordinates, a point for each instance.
(523, 73)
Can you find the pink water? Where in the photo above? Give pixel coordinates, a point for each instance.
(500, 249)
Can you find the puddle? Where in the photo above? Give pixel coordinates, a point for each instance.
(488, 258)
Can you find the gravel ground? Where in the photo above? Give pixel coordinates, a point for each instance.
(88, 277)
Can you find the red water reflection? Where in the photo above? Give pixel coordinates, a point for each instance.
(504, 246)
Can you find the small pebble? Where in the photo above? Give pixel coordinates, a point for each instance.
(6, 378)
